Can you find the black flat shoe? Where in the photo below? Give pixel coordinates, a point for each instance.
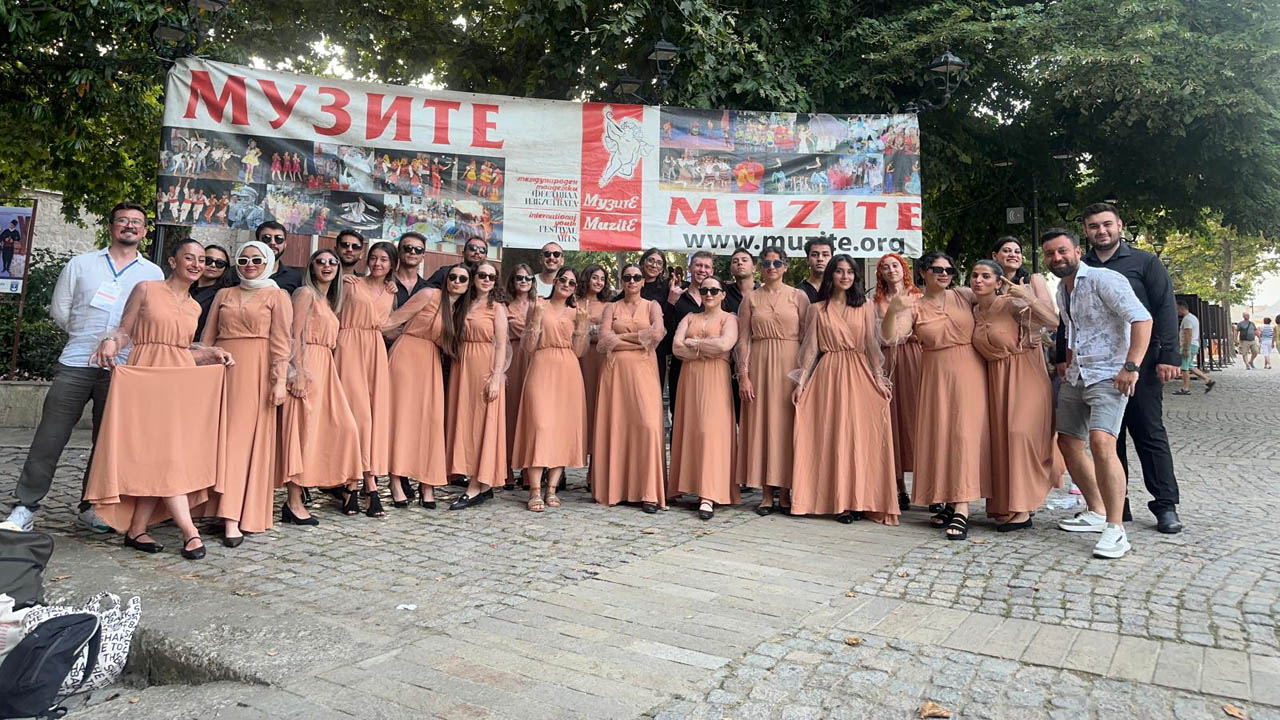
(845, 517)
(146, 547)
(937, 507)
(706, 510)
(1010, 527)
(287, 516)
(1168, 523)
(650, 508)
(375, 505)
(193, 554)
(763, 510)
(232, 542)
(904, 502)
(467, 501)
(488, 494)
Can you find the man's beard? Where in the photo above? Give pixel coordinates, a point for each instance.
(348, 265)
(1108, 244)
(1065, 270)
(128, 241)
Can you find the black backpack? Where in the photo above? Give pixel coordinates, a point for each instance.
(23, 558)
(32, 673)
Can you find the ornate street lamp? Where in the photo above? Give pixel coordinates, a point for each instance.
(945, 74)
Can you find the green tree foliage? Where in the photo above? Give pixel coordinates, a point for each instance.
(1215, 261)
(42, 340)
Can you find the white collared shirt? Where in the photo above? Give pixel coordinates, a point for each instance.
(1098, 312)
(77, 284)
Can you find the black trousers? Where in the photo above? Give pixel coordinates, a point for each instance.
(1144, 422)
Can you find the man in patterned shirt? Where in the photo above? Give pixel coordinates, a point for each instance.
(1108, 331)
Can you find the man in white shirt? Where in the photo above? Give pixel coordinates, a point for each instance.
(88, 300)
(1189, 343)
(552, 259)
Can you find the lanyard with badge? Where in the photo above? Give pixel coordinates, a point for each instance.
(108, 293)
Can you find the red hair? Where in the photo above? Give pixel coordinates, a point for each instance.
(908, 285)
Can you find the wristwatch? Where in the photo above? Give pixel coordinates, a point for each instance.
(1130, 367)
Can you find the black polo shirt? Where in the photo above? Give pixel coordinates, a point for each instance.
(810, 291)
(288, 278)
(733, 296)
(403, 293)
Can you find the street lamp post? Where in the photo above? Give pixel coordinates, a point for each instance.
(662, 55)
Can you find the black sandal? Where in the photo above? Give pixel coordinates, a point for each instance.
(350, 503)
(375, 505)
(942, 517)
(904, 502)
(958, 522)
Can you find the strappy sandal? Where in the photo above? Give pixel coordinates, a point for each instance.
(350, 503)
(375, 505)
(960, 524)
(553, 500)
(942, 517)
(535, 504)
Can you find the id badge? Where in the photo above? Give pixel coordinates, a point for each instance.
(107, 296)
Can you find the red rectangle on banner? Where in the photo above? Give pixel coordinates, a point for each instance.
(613, 146)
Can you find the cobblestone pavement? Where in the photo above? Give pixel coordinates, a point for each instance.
(586, 611)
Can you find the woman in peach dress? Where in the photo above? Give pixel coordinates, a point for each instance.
(320, 445)
(1020, 396)
(594, 294)
(520, 295)
(628, 459)
(251, 321)
(431, 321)
(362, 368)
(551, 432)
(902, 365)
(476, 416)
(953, 449)
(134, 481)
(769, 323)
(702, 433)
(843, 443)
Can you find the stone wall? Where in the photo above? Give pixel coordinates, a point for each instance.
(21, 403)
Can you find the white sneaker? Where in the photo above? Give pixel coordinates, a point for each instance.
(22, 518)
(1114, 543)
(1087, 521)
(89, 520)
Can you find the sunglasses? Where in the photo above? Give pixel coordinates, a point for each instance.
(712, 291)
(568, 281)
(772, 264)
(939, 270)
(350, 245)
(242, 261)
(413, 249)
(551, 253)
(634, 277)
(209, 260)
(522, 278)
(486, 276)
(455, 278)
(476, 248)
(273, 239)
(332, 262)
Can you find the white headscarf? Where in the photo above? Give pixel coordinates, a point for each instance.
(264, 280)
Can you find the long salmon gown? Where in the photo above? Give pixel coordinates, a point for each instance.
(517, 316)
(476, 430)
(1020, 403)
(591, 362)
(628, 459)
(902, 365)
(702, 432)
(362, 368)
(843, 442)
(254, 327)
(159, 392)
(551, 430)
(417, 390)
(769, 327)
(953, 449)
(320, 442)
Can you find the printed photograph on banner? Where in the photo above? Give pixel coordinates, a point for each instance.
(15, 246)
(303, 211)
(481, 178)
(692, 129)
(196, 202)
(417, 174)
(344, 167)
(202, 154)
(356, 210)
(696, 170)
(428, 216)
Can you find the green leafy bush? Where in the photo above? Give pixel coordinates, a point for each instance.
(42, 340)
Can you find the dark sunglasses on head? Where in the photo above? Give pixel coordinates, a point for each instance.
(522, 278)
(712, 291)
(551, 253)
(566, 280)
(476, 248)
(939, 270)
(486, 276)
(772, 264)
(210, 260)
(242, 261)
(633, 277)
(456, 278)
(326, 261)
(273, 239)
(412, 249)
(350, 245)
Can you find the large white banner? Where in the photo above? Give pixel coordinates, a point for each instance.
(243, 145)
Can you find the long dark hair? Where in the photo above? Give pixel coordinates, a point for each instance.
(452, 318)
(856, 295)
(334, 295)
(622, 286)
(510, 285)
(392, 254)
(1020, 276)
(584, 282)
(224, 280)
(564, 270)
(494, 294)
(645, 256)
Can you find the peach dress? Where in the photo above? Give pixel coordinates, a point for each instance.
(769, 325)
(254, 327)
(1020, 404)
(592, 361)
(159, 393)
(902, 365)
(517, 316)
(843, 441)
(552, 427)
(417, 390)
(702, 432)
(953, 451)
(476, 433)
(628, 459)
(362, 368)
(320, 442)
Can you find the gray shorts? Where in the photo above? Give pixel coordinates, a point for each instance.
(1081, 409)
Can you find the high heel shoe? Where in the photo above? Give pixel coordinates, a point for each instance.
(287, 516)
(146, 547)
(407, 489)
(424, 492)
(193, 554)
(350, 503)
(375, 504)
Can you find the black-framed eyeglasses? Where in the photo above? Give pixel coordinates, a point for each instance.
(242, 261)
(551, 253)
(633, 277)
(350, 245)
(456, 278)
(215, 262)
(272, 239)
(712, 291)
(135, 222)
(477, 249)
(772, 264)
(332, 262)
(413, 249)
(486, 276)
(939, 270)
(522, 278)
(566, 280)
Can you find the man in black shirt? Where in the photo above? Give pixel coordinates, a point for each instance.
(273, 234)
(411, 249)
(817, 252)
(473, 253)
(350, 251)
(9, 240)
(742, 266)
(1144, 415)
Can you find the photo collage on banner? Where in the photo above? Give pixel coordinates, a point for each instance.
(779, 153)
(221, 179)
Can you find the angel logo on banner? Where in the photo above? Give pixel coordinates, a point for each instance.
(625, 143)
